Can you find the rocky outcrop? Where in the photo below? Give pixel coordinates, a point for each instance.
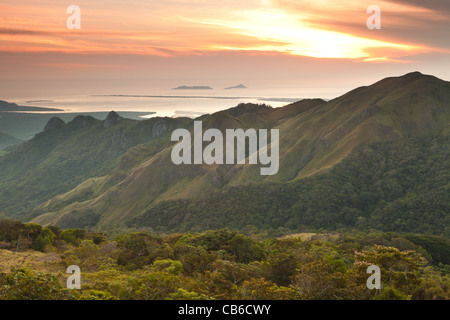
(82, 121)
(54, 123)
(159, 128)
(112, 119)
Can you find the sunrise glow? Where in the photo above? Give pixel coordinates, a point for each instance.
(183, 39)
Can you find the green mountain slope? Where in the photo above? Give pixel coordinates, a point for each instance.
(64, 155)
(401, 185)
(7, 140)
(392, 108)
(314, 136)
(156, 178)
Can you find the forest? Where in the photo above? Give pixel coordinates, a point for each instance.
(220, 264)
(394, 186)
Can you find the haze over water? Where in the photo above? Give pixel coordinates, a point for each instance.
(169, 103)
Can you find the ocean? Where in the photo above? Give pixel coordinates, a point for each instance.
(171, 104)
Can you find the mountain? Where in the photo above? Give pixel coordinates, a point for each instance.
(239, 86)
(315, 136)
(192, 88)
(8, 106)
(7, 140)
(394, 186)
(155, 178)
(92, 173)
(24, 125)
(66, 154)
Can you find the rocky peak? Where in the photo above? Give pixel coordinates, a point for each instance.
(82, 121)
(54, 123)
(111, 119)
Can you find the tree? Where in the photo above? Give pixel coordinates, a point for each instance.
(400, 270)
(323, 279)
(282, 267)
(154, 285)
(45, 239)
(134, 249)
(25, 284)
(168, 265)
(245, 249)
(10, 230)
(73, 236)
(86, 256)
(32, 231)
(194, 259)
(261, 289)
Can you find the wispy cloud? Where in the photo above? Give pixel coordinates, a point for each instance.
(296, 27)
(234, 39)
(419, 24)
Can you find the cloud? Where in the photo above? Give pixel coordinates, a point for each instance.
(9, 31)
(82, 66)
(422, 24)
(177, 27)
(441, 6)
(305, 34)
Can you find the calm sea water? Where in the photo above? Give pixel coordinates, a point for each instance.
(174, 103)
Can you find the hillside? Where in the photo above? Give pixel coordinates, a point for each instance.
(7, 140)
(314, 136)
(315, 140)
(390, 186)
(154, 177)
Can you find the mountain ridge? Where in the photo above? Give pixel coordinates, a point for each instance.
(7, 140)
(57, 160)
(315, 136)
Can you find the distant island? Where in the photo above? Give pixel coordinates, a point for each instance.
(281, 99)
(38, 101)
(11, 107)
(239, 86)
(192, 88)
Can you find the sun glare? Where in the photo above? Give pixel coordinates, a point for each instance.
(293, 37)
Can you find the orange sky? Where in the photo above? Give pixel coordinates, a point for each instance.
(167, 37)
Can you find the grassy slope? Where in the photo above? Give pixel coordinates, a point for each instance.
(56, 161)
(318, 138)
(397, 186)
(314, 137)
(38, 261)
(7, 140)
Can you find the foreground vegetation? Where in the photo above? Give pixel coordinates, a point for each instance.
(224, 264)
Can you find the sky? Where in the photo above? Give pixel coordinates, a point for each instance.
(319, 47)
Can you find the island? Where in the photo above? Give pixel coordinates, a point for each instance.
(12, 107)
(192, 88)
(239, 86)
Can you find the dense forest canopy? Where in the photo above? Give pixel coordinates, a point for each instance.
(400, 186)
(223, 264)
